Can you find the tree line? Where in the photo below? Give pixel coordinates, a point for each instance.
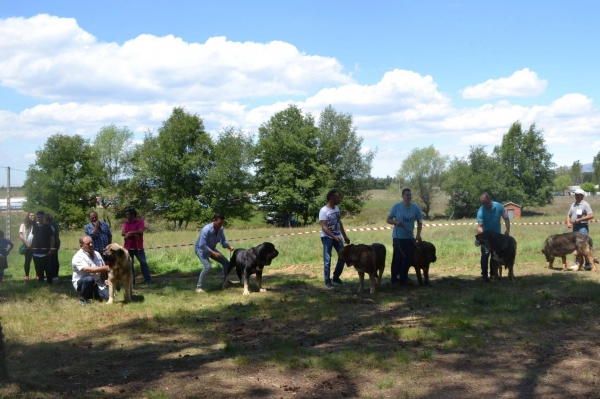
(183, 174)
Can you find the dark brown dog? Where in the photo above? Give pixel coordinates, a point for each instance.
(380, 252)
(503, 249)
(560, 245)
(364, 260)
(424, 255)
(118, 260)
(251, 261)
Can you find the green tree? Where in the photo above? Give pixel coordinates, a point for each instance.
(339, 148)
(526, 167)
(562, 183)
(577, 173)
(64, 179)
(423, 171)
(589, 188)
(596, 166)
(286, 163)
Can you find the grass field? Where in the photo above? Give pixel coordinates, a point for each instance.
(458, 338)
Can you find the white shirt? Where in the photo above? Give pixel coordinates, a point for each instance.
(81, 260)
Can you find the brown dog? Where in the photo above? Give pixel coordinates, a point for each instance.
(424, 255)
(503, 249)
(364, 260)
(560, 245)
(380, 252)
(118, 260)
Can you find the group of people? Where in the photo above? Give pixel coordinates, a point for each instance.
(40, 236)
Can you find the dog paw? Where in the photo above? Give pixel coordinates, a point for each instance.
(246, 293)
(109, 302)
(263, 290)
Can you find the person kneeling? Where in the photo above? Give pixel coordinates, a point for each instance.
(87, 268)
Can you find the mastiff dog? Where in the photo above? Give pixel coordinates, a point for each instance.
(251, 261)
(424, 255)
(560, 245)
(364, 260)
(503, 249)
(118, 260)
(380, 252)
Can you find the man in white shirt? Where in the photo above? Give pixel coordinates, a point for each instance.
(332, 234)
(87, 266)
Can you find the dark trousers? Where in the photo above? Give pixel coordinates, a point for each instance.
(403, 253)
(88, 289)
(42, 266)
(485, 260)
(27, 266)
(141, 256)
(54, 266)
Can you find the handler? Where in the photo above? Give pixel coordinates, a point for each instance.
(332, 231)
(206, 248)
(488, 218)
(87, 265)
(578, 217)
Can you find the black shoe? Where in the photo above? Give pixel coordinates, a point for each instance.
(338, 281)
(329, 285)
(83, 302)
(485, 278)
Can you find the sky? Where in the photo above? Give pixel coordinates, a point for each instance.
(451, 74)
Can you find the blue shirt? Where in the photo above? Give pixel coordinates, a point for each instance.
(491, 218)
(208, 240)
(4, 244)
(406, 215)
(101, 239)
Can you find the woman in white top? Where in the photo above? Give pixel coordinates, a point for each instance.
(26, 238)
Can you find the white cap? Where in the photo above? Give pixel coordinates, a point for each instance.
(579, 191)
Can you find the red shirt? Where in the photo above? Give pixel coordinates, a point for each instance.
(137, 241)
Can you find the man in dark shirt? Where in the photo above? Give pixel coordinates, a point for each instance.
(43, 247)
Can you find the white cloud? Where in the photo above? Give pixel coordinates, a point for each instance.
(523, 83)
(53, 58)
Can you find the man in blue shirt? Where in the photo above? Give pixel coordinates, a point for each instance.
(206, 248)
(403, 216)
(488, 219)
(99, 231)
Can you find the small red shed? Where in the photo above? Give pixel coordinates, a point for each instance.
(513, 210)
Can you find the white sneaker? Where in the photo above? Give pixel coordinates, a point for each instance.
(199, 291)
(574, 267)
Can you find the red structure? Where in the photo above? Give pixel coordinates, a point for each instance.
(513, 210)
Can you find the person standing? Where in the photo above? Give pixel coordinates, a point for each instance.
(332, 232)
(206, 248)
(99, 231)
(403, 216)
(5, 247)
(87, 265)
(488, 219)
(27, 239)
(43, 247)
(54, 265)
(133, 232)
(578, 217)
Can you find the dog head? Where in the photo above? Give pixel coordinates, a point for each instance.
(112, 253)
(428, 249)
(483, 239)
(266, 253)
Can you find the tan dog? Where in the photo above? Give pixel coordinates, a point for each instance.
(424, 255)
(364, 260)
(560, 245)
(118, 260)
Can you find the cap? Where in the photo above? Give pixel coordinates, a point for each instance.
(579, 191)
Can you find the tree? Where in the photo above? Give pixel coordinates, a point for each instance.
(596, 172)
(526, 166)
(577, 173)
(340, 148)
(589, 188)
(64, 179)
(562, 183)
(423, 171)
(286, 163)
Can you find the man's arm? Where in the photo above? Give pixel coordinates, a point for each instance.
(326, 230)
(96, 269)
(391, 220)
(507, 225)
(419, 228)
(11, 245)
(569, 224)
(480, 228)
(224, 242)
(346, 239)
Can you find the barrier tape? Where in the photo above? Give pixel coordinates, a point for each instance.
(351, 230)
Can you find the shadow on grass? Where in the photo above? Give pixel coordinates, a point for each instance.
(316, 342)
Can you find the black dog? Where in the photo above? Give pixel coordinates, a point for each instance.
(503, 249)
(249, 261)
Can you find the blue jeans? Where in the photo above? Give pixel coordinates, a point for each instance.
(583, 229)
(88, 288)
(328, 244)
(403, 253)
(485, 260)
(205, 260)
(141, 257)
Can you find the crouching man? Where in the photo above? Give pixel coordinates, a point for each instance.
(87, 266)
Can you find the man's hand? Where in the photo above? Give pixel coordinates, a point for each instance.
(346, 240)
(217, 255)
(569, 225)
(230, 248)
(398, 223)
(336, 239)
(506, 232)
(419, 239)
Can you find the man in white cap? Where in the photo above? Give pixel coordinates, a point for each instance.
(579, 215)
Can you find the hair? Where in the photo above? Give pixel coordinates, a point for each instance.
(218, 216)
(132, 211)
(28, 223)
(485, 196)
(90, 213)
(41, 213)
(82, 237)
(405, 190)
(331, 193)
(49, 218)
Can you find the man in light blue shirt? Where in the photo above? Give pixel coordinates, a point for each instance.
(488, 219)
(403, 216)
(206, 248)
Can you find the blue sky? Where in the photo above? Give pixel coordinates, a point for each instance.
(451, 74)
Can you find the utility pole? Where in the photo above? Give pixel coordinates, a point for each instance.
(8, 203)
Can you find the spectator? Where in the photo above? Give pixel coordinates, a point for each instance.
(43, 247)
(206, 248)
(578, 217)
(332, 232)
(5, 247)
(133, 232)
(99, 231)
(54, 265)
(488, 218)
(27, 239)
(87, 265)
